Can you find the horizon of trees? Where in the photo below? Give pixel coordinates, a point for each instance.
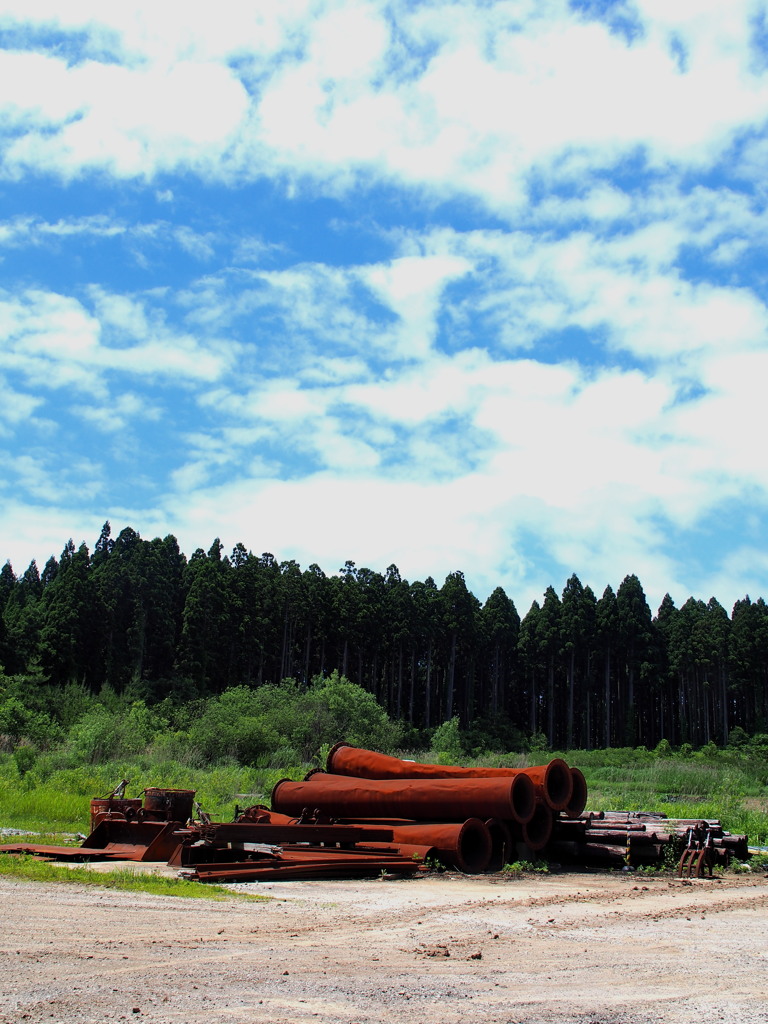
(577, 670)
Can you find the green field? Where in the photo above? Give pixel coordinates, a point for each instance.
(731, 785)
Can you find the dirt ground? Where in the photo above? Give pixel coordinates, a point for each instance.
(444, 949)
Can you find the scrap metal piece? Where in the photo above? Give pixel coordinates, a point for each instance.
(698, 855)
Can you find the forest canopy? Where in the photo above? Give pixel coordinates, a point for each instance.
(577, 671)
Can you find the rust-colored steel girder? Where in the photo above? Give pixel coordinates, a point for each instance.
(436, 799)
(291, 863)
(554, 781)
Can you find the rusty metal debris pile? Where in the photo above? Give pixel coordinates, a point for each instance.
(370, 814)
(555, 826)
(641, 838)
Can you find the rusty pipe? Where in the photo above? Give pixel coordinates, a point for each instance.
(501, 843)
(466, 845)
(420, 799)
(574, 808)
(553, 780)
(538, 831)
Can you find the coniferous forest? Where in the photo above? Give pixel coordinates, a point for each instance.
(577, 671)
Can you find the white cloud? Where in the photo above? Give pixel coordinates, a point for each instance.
(119, 414)
(54, 341)
(329, 91)
(581, 381)
(16, 406)
(412, 288)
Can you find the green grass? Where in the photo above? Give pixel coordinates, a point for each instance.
(730, 790)
(30, 869)
(732, 785)
(49, 798)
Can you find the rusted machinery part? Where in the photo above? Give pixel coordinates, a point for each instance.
(261, 815)
(537, 832)
(554, 778)
(419, 799)
(134, 840)
(466, 845)
(704, 861)
(501, 843)
(574, 808)
(167, 804)
(113, 806)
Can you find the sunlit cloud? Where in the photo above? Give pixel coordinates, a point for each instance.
(454, 286)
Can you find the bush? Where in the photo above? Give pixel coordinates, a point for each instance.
(252, 726)
(737, 737)
(102, 734)
(25, 758)
(341, 710)
(229, 728)
(446, 742)
(19, 722)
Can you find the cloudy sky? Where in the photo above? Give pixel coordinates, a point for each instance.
(473, 286)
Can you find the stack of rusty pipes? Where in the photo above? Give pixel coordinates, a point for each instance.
(618, 838)
(472, 817)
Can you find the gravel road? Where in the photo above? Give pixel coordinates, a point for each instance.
(444, 949)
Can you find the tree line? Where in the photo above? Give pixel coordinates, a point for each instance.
(577, 671)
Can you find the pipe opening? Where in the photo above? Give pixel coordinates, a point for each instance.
(538, 831)
(522, 795)
(501, 843)
(558, 783)
(473, 849)
(578, 801)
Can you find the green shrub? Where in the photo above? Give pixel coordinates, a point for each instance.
(525, 867)
(19, 722)
(446, 742)
(102, 734)
(737, 737)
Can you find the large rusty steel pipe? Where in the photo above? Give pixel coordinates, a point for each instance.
(578, 801)
(466, 846)
(501, 843)
(538, 831)
(419, 799)
(553, 780)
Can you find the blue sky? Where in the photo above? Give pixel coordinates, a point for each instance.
(476, 286)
